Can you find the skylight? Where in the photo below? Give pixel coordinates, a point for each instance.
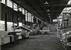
(69, 2)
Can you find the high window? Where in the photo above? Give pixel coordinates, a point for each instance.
(23, 11)
(9, 3)
(29, 17)
(19, 8)
(32, 17)
(26, 15)
(3, 1)
(15, 7)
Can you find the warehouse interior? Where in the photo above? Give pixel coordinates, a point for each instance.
(35, 24)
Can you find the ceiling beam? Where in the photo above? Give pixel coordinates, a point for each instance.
(61, 5)
(40, 4)
(33, 8)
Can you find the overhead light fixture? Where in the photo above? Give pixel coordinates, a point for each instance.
(49, 14)
(50, 18)
(46, 3)
(48, 10)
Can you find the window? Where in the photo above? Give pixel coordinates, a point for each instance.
(15, 7)
(3, 1)
(9, 3)
(2, 25)
(9, 26)
(32, 18)
(29, 17)
(23, 11)
(20, 9)
(15, 24)
(26, 16)
(20, 24)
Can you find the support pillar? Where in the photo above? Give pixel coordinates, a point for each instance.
(5, 16)
(0, 9)
(12, 13)
(0, 19)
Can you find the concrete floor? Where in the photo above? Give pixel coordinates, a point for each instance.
(37, 42)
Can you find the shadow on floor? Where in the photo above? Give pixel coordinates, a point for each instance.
(38, 42)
